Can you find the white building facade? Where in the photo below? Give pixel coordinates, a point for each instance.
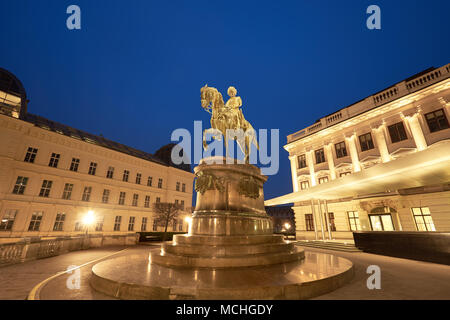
(381, 164)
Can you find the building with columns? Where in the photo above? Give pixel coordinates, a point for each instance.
(53, 175)
(380, 164)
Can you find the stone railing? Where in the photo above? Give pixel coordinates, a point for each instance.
(35, 248)
(392, 93)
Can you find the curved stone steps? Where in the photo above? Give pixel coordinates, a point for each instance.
(206, 240)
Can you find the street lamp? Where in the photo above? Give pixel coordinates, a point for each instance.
(88, 219)
(188, 220)
(287, 226)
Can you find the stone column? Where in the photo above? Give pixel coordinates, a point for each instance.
(380, 139)
(413, 123)
(353, 152)
(294, 173)
(321, 220)
(330, 159)
(310, 163)
(314, 218)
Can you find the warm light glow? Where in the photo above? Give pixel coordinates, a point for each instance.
(188, 219)
(287, 226)
(89, 218)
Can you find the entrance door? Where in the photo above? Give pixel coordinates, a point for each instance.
(381, 222)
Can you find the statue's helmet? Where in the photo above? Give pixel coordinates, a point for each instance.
(232, 91)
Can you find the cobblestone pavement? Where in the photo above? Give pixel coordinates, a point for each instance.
(400, 278)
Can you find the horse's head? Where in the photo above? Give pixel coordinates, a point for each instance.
(205, 96)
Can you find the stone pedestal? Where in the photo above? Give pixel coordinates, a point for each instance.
(230, 227)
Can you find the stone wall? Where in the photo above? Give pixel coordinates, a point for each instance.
(35, 248)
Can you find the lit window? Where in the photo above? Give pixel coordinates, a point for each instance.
(353, 219)
(323, 180)
(35, 221)
(436, 120)
(304, 185)
(21, 183)
(67, 193)
(7, 221)
(59, 222)
(54, 159)
(31, 155)
(366, 142)
(397, 132)
(422, 217)
(45, 189)
(74, 165)
(341, 150)
(92, 168)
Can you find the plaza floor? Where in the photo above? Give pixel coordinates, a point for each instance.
(400, 278)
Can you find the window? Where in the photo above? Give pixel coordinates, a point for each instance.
(177, 188)
(182, 204)
(67, 193)
(341, 150)
(155, 225)
(122, 198)
(183, 187)
(78, 226)
(117, 222)
(301, 161)
(343, 174)
(397, 132)
(21, 183)
(320, 156)
(126, 174)
(59, 222)
(304, 185)
(110, 173)
(7, 221)
(366, 142)
(92, 168)
(135, 200)
(149, 181)
(35, 221)
(147, 201)
(174, 225)
(422, 217)
(309, 222)
(144, 224)
(31, 155)
(74, 165)
(138, 178)
(99, 223)
(323, 180)
(436, 120)
(180, 225)
(160, 183)
(54, 159)
(158, 199)
(105, 196)
(45, 189)
(331, 221)
(176, 202)
(131, 224)
(86, 194)
(353, 219)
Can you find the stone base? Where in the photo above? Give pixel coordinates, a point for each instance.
(137, 277)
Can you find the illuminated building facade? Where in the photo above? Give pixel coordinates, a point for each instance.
(380, 164)
(51, 175)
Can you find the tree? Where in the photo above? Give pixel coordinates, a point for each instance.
(166, 212)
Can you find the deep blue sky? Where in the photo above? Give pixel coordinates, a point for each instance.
(134, 71)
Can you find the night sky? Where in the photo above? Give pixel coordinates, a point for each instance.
(134, 71)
